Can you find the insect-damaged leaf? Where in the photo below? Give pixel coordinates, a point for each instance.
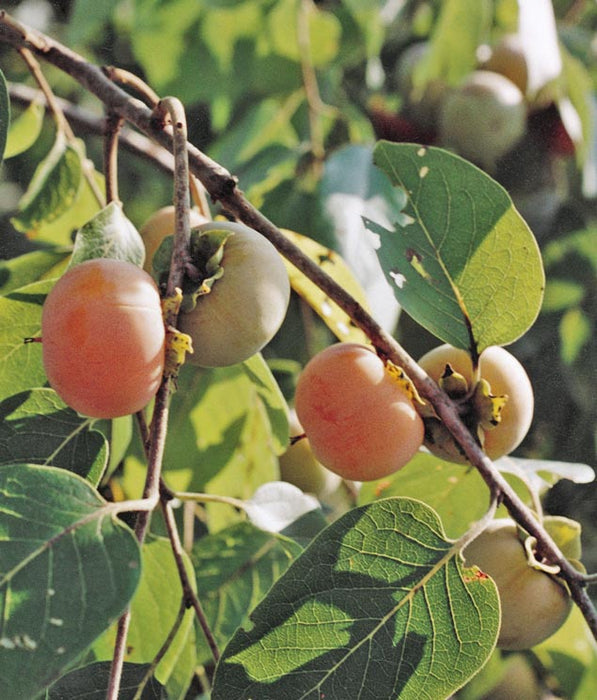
(461, 260)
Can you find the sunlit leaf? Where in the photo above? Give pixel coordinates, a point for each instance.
(20, 317)
(461, 260)
(378, 606)
(214, 415)
(36, 427)
(109, 234)
(53, 188)
(330, 262)
(68, 568)
(25, 129)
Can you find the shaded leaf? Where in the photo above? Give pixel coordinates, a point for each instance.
(91, 683)
(329, 261)
(109, 234)
(235, 568)
(461, 260)
(53, 188)
(31, 267)
(25, 129)
(154, 610)
(378, 606)
(68, 568)
(36, 427)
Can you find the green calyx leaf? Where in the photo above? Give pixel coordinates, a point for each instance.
(480, 411)
(207, 253)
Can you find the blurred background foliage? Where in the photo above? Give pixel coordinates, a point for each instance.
(290, 96)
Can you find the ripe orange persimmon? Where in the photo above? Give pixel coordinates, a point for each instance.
(103, 338)
(360, 422)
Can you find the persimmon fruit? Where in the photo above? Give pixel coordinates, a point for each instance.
(534, 604)
(103, 338)
(483, 117)
(360, 422)
(506, 378)
(246, 305)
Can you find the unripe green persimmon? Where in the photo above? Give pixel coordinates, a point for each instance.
(360, 422)
(533, 604)
(103, 338)
(506, 377)
(483, 117)
(245, 307)
(161, 224)
(299, 466)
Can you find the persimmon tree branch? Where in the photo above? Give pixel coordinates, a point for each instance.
(223, 187)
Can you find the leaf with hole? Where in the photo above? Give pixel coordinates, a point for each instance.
(68, 568)
(460, 258)
(378, 606)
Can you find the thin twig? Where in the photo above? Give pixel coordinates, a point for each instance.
(190, 596)
(113, 125)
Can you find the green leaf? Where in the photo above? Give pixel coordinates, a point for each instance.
(36, 427)
(461, 27)
(25, 129)
(378, 606)
(576, 330)
(461, 260)
(31, 267)
(154, 610)
(456, 492)
(4, 114)
(214, 413)
(235, 568)
(268, 391)
(20, 317)
(53, 188)
(109, 234)
(68, 568)
(323, 31)
(91, 683)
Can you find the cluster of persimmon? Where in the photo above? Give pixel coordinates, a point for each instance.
(103, 333)
(362, 423)
(484, 116)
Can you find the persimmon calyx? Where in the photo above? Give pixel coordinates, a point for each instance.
(204, 268)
